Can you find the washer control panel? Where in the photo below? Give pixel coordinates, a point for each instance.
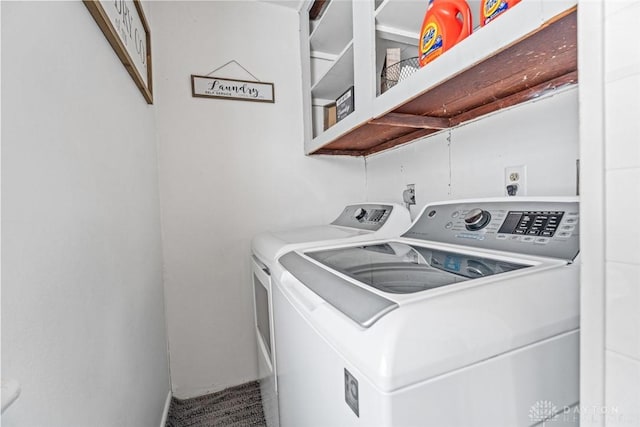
(535, 227)
(364, 216)
(532, 223)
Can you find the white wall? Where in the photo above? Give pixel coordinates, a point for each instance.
(622, 178)
(83, 325)
(469, 161)
(592, 208)
(615, 330)
(611, 278)
(230, 169)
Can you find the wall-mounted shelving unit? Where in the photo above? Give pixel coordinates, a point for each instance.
(331, 66)
(526, 53)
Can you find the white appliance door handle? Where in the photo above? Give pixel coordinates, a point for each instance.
(261, 265)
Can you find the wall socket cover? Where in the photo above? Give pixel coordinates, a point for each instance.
(409, 195)
(516, 175)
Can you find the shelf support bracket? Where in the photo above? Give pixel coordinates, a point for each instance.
(412, 121)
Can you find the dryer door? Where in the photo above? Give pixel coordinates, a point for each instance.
(263, 303)
(262, 316)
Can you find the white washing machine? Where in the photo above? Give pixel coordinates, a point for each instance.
(357, 222)
(469, 319)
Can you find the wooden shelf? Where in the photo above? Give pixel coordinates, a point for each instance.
(402, 15)
(338, 78)
(538, 63)
(405, 16)
(334, 30)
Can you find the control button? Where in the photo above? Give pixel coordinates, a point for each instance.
(547, 233)
(477, 219)
(455, 214)
(542, 240)
(568, 227)
(472, 236)
(533, 232)
(519, 231)
(448, 225)
(571, 220)
(431, 214)
(563, 235)
(528, 239)
(515, 238)
(376, 215)
(501, 237)
(359, 214)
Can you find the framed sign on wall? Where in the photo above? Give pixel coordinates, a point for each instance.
(125, 27)
(242, 90)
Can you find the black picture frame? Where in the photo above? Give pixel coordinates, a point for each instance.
(345, 104)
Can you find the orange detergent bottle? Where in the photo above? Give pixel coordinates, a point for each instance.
(446, 23)
(490, 9)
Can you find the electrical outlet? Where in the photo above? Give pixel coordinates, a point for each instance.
(515, 180)
(409, 195)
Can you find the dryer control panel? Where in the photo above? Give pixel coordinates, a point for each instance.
(368, 217)
(533, 227)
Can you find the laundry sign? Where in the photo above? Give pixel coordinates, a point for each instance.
(243, 90)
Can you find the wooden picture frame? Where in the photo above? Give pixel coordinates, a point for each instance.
(240, 90)
(124, 25)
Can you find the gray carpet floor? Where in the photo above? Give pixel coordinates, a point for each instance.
(238, 406)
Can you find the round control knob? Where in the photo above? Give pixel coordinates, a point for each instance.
(477, 219)
(359, 214)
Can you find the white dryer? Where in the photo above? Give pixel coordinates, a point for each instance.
(469, 319)
(357, 222)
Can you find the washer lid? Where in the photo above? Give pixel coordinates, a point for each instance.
(400, 268)
(360, 305)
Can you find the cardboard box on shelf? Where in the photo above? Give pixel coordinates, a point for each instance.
(392, 57)
(330, 115)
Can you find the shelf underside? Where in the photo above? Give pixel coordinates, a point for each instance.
(539, 63)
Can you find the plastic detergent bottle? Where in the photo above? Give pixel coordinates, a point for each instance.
(446, 23)
(490, 9)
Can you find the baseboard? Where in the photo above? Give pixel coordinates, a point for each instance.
(165, 413)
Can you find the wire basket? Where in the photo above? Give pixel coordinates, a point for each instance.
(397, 72)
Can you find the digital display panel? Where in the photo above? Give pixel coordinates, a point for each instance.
(532, 223)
